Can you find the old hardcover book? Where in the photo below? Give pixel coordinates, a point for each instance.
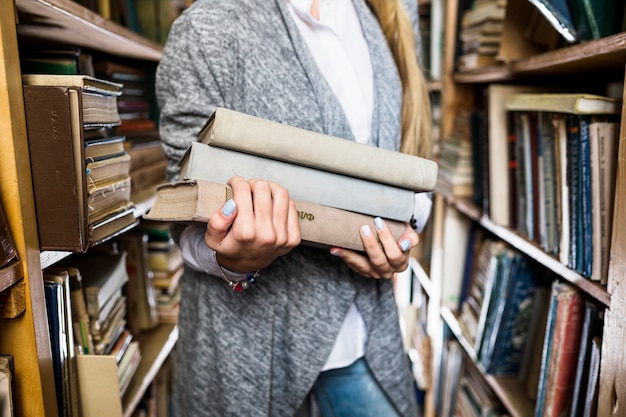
(573, 103)
(245, 133)
(305, 184)
(103, 273)
(603, 139)
(83, 82)
(321, 225)
(55, 126)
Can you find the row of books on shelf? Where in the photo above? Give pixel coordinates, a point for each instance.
(492, 32)
(519, 321)
(543, 165)
(98, 303)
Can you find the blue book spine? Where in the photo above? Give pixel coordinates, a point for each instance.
(513, 332)
(573, 135)
(586, 220)
(545, 356)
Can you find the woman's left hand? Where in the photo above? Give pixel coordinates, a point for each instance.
(383, 256)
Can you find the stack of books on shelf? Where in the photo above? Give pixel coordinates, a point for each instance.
(166, 265)
(136, 107)
(80, 173)
(67, 60)
(456, 169)
(480, 34)
(565, 147)
(475, 398)
(316, 169)
(87, 317)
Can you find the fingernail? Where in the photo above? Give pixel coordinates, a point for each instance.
(380, 224)
(229, 207)
(405, 244)
(367, 232)
(335, 252)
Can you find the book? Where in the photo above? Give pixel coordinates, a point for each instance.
(596, 19)
(106, 170)
(7, 376)
(499, 152)
(592, 329)
(10, 265)
(572, 103)
(80, 318)
(142, 312)
(103, 273)
(59, 308)
(83, 82)
(245, 133)
(102, 148)
(603, 140)
(198, 200)
(148, 176)
(210, 163)
(515, 314)
(558, 14)
(560, 351)
(62, 201)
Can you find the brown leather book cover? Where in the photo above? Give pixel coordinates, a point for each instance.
(58, 188)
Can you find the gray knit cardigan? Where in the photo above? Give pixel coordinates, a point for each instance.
(258, 353)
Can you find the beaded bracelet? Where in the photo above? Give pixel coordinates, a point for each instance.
(237, 286)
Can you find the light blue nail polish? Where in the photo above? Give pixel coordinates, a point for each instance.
(229, 207)
(367, 232)
(405, 244)
(380, 224)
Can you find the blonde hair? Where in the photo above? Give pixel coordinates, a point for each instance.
(416, 115)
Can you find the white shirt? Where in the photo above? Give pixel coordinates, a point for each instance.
(340, 51)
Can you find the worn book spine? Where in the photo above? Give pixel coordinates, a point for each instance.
(305, 184)
(319, 225)
(245, 133)
(58, 189)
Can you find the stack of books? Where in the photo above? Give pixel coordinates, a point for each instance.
(137, 114)
(338, 185)
(480, 34)
(456, 168)
(81, 173)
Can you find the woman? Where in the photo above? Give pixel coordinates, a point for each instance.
(314, 319)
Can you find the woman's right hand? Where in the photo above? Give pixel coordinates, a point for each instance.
(259, 224)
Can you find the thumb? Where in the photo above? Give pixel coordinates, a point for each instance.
(219, 224)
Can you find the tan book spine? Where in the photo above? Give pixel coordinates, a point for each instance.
(320, 225)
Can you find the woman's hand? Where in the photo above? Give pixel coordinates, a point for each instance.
(383, 255)
(258, 225)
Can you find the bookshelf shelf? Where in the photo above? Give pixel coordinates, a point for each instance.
(155, 345)
(422, 276)
(507, 388)
(67, 22)
(601, 54)
(595, 290)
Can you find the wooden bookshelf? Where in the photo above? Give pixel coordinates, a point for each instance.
(590, 66)
(507, 388)
(155, 345)
(69, 23)
(37, 22)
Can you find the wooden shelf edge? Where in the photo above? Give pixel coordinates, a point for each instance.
(421, 276)
(11, 274)
(69, 23)
(592, 288)
(156, 345)
(596, 54)
(507, 388)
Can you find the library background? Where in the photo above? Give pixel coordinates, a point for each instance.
(513, 304)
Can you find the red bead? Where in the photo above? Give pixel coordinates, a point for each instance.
(238, 287)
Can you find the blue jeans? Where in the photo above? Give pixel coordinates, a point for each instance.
(351, 392)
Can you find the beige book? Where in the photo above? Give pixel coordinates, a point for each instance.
(198, 200)
(245, 133)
